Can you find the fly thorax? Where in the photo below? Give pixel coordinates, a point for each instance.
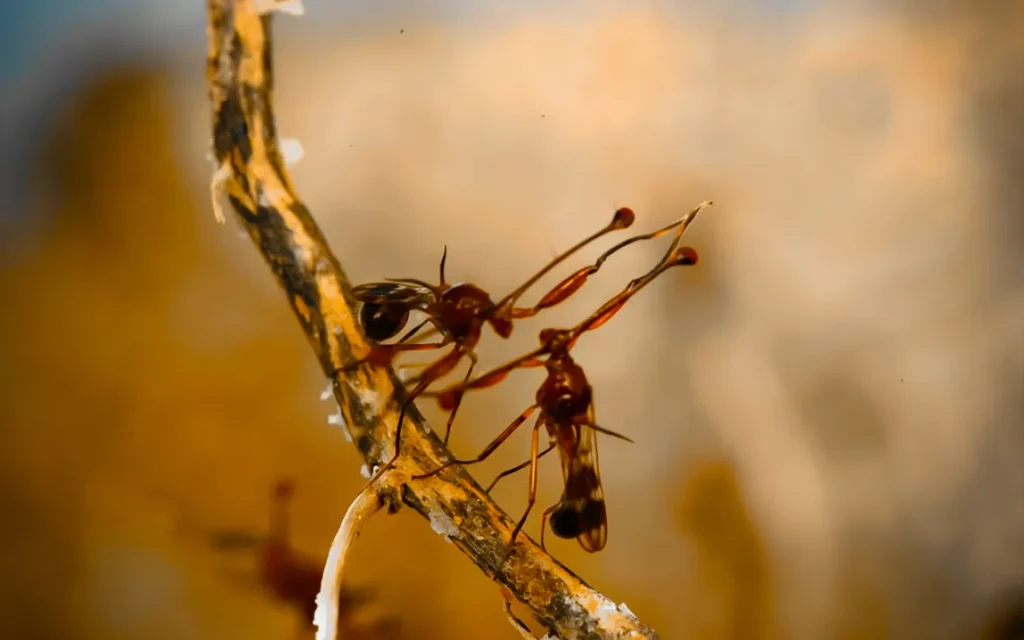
(464, 307)
(567, 406)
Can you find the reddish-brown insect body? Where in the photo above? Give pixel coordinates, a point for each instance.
(463, 310)
(458, 313)
(565, 401)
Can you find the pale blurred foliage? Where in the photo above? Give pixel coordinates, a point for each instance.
(827, 409)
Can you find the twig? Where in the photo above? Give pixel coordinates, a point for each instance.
(369, 501)
(252, 174)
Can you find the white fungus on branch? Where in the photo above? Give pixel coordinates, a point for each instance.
(289, 7)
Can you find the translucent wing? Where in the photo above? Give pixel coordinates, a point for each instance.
(391, 292)
(581, 512)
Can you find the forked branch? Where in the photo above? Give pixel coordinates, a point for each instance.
(252, 176)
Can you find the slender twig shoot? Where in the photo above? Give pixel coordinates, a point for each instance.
(369, 501)
(517, 624)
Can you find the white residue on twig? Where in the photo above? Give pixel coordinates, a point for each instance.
(328, 391)
(291, 7)
(370, 400)
(608, 615)
(218, 190)
(443, 525)
(605, 608)
(338, 419)
(291, 151)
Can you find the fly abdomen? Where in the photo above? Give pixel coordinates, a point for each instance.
(381, 321)
(583, 519)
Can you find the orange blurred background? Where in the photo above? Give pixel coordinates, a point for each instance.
(828, 410)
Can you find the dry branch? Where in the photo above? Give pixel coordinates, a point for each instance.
(251, 174)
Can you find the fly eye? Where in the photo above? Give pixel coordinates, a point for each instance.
(382, 321)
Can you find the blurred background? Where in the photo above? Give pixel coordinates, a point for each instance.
(828, 410)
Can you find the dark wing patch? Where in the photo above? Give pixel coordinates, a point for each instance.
(391, 292)
(581, 512)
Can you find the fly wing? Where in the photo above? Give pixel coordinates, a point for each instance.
(581, 512)
(390, 292)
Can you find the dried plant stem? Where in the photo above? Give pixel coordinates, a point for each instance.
(251, 173)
